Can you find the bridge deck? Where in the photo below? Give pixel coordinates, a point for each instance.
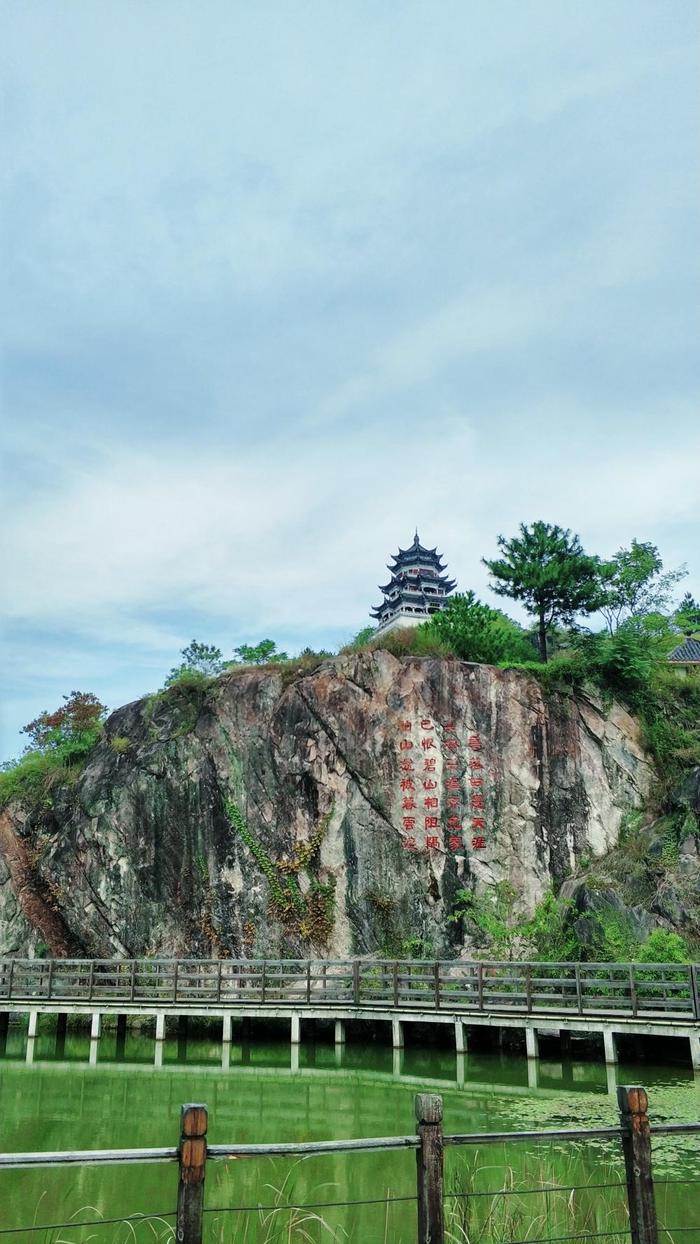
(612, 999)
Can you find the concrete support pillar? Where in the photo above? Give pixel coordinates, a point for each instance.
(94, 1049)
(95, 1026)
(340, 1032)
(296, 1030)
(610, 1047)
(695, 1051)
(461, 1070)
(397, 1034)
(565, 1041)
(160, 1026)
(158, 1055)
(33, 1024)
(294, 1061)
(121, 1038)
(611, 1075)
(533, 1073)
(225, 1055)
(532, 1044)
(61, 1026)
(31, 1042)
(397, 1062)
(460, 1037)
(227, 1029)
(339, 1055)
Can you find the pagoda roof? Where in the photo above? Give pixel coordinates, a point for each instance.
(405, 581)
(687, 653)
(416, 552)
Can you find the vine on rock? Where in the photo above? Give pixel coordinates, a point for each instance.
(311, 916)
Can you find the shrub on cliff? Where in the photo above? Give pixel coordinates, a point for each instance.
(60, 743)
(476, 632)
(203, 659)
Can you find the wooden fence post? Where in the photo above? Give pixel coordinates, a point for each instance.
(429, 1169)
(636, 1147)
(192, 1152)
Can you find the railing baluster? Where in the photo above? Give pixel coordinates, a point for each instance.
(636, 1147)
(192, 1152)
(694, 990)
(579, 991)
(429, 1169)
(633, 990)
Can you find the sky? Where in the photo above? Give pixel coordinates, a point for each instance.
(285, 280)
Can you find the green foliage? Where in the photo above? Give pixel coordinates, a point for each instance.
(663, 947)
(687, 616)
(632, 583)
(362, 639)
(473, 631)
(547, 569)
(311, 916)
(120, 744)
(413, 641)
(30, 779)
(611, 938)
(263, 653)
(62, 742)
(416, 947)
(197, 658)
(492, 915)
(186, 680)
(72, 729)
(549, 931)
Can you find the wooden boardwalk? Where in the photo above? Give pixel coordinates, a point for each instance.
(608, 998)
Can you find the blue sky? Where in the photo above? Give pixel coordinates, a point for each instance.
(284, 280)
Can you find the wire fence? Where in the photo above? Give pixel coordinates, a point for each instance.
(450, 1205)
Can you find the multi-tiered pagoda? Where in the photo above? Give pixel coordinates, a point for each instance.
(418, 587)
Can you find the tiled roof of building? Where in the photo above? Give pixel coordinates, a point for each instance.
(689, 650)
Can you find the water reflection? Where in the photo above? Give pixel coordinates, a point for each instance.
(126, 1089)
(421, 1065)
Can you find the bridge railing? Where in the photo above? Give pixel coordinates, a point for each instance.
(669, 990)
(629, 1202)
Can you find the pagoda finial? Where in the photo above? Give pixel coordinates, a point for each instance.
(415, 538)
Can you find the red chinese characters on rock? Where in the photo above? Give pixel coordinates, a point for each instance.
(418, 758)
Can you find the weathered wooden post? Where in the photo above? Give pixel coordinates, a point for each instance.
(192, 1152)
(429, 1169)
(636, 1147)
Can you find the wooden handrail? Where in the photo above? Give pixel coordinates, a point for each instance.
(530, 988)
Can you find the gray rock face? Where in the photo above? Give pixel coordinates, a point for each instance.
(271, 815)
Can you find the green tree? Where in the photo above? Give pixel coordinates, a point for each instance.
(546, 568)
(633, 583)
(363, 637)
(263, 653)
(493, 914)
(476, 632)
(204, 659)
(663, 947)
(72, 728)
(687, 615)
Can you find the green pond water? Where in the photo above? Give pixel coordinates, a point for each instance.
(263, 1092)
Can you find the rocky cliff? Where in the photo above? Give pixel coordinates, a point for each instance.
(331, 811)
